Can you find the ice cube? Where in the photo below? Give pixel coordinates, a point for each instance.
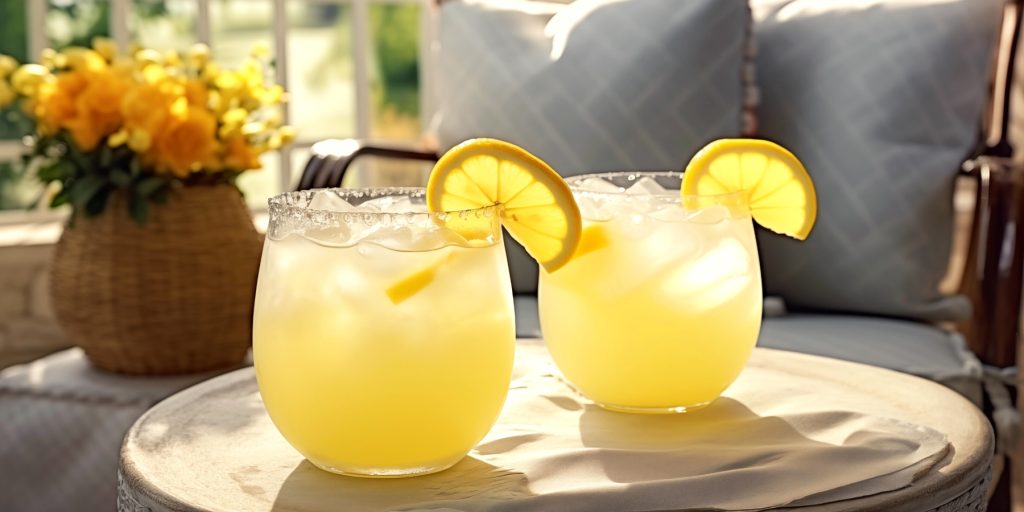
(651, 249)
(391, 204)
(399, 238)
(595, 208)
(710, 215)
(599, 185)
(646, 186)
(715, 277)
(331, 236)
(328, 200)
(670, 213)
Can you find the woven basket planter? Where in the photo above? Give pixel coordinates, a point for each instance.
(172, 296)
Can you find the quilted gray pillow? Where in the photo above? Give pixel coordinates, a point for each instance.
(882, 101)
(594, 85)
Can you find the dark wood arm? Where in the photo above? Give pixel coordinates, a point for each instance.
(995, 259)
(331, 159)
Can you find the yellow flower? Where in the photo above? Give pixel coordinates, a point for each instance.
(272, 95)
(239, 155)
(287, 134)
(7, 65)
(7, 95)
(187, 143)
(147, 106)
(197, 93)
(172, 58)
(210, 72)
(198, 55)
(84, 59)
(140, 141)
(146, 57)
(106, 47)
(232, 121)
(49, 58)
(118, 139)
(54, 104)
(260, 51)
(98, 111)
(29, 77)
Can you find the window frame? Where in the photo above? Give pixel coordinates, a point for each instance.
(36, 11)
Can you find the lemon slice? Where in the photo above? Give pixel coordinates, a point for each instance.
(412, 284)
(777, 188)
(593, 238)
(537, 207)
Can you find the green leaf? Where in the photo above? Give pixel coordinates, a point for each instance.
(120, 177)
(106, 156)
(59, 170)
(149, 186)
(139, 209)
(81, 191)
(76, 157)
(60, 198)
(97, 203)
(135, 168)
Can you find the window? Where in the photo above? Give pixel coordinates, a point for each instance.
(353, 68)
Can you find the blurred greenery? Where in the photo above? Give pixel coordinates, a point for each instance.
(13, 42)
(395, 29)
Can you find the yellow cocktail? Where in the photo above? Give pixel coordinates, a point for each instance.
(382, 339)
(660, 307)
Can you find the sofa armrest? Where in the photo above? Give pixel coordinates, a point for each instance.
(331, 159)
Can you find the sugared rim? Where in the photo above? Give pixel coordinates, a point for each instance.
(575, 185)
(290, 214)
(297, 203)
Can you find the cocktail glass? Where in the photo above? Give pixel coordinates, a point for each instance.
(383, 341)
(661, 306)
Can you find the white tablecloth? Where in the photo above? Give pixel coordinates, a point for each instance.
(794, 430)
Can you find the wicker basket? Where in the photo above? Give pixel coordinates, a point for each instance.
(172, 296)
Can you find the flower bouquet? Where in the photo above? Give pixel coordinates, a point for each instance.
(155, 271)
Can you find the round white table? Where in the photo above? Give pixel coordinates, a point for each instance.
(212, 447)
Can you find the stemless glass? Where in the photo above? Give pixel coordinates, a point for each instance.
(383, 340)
(660, 309)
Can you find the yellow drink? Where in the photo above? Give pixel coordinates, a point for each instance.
(661, 307)
(360, 384)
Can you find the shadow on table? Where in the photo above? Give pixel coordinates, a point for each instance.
(229, 409)
(468, 483)
(726, 436)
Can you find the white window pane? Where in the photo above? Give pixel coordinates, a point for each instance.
(238, 25)
(76, 22)
(163, 24)
(262, 184)
(300, 155)
(320, 70)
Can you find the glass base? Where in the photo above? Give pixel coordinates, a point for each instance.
(384, 472)
(655, 410)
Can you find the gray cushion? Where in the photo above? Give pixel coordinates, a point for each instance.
(882, 100)
(901, 345)
(594, 85)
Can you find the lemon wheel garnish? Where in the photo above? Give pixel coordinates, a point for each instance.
(776, 186)
(536, 206)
